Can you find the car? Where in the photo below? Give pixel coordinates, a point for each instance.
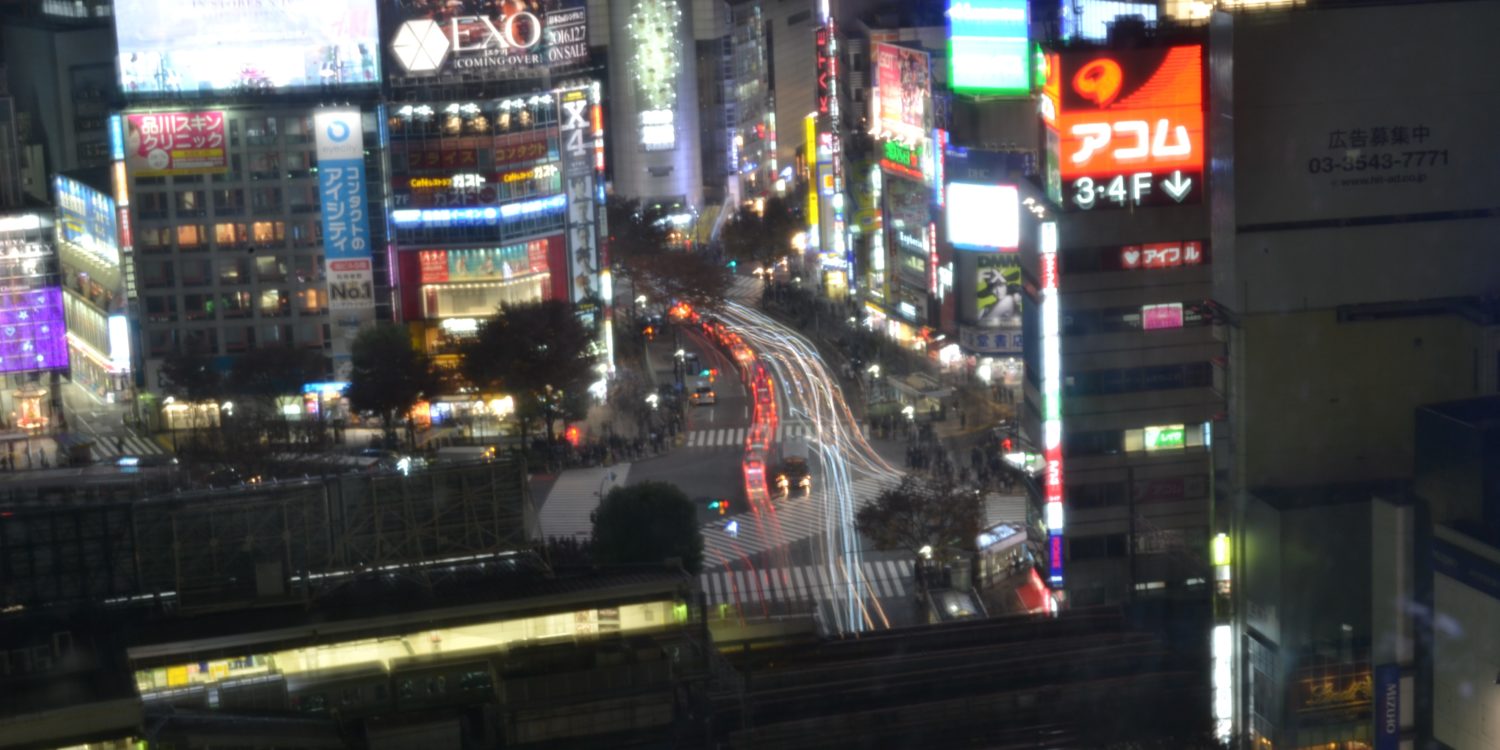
(793, 474)
(704, 396)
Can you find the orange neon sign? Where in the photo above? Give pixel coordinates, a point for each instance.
(1127, 112)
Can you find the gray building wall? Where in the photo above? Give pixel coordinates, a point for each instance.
(669, 176)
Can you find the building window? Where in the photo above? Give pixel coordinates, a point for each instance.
(150, 205)
(274, 303)
(191, 203)
(1096, 547)
(227, 234)
(233, 272)
(1135, 379)
(197, 273)
(161, 309)
(235, 304)
(229, 201)
(198, 306)
(265, 200)
(268, 231)
(270, 268)
(192, 236)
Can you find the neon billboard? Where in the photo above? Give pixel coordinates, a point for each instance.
(1052, 481)
(988, 51)
(1128, 126)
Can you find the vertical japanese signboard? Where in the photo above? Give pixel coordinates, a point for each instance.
(577, 129)
(1052, 480)
(346, 228)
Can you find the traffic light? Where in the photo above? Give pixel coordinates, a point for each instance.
(705, 373)
(722, 506)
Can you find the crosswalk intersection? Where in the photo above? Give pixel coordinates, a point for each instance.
(804, 583)
(109, 448)
(734, 437)
(787, 521)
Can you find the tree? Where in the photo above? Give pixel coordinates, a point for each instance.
(639, 245)
(634, 230)
(276, 372)
(191, 377)
(761, 239)
(389, 375)
(920, 513)
(647, 522)
(539, 354)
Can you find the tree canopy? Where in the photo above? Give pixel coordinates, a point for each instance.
(389, 375)
(762, 239)
(274, 372)
(191, 377)
(538, 353)
(640, 248)
(922, 512)
(647, 522)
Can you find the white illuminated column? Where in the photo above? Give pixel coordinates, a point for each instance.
(1052, 403)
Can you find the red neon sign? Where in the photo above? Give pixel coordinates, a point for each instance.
(1123, 112)
(827, 67)
(1161, 255)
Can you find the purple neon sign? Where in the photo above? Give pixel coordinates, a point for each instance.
(32, 333)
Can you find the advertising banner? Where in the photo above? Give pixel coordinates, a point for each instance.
(32, 333)
(989, 50)
(472, 189)
(1322, 147)
(577, 127)
(1129, 125)
(171, 143)
(470, 40)
(484, 263)
(997, 301)
(204, 46)
(339, 137)
(1388, 707)
(903, 93)
(86, 220)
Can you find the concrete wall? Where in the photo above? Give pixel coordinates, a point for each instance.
(1326, 401)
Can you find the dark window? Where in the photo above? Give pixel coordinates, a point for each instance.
(1096, 547)
(1133, 379)
(797, 18)
(1101, 495)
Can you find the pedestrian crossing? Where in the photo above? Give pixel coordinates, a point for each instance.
(784, 522)
(804, 583)
(734, 437)
(107, 448)
(570, 505)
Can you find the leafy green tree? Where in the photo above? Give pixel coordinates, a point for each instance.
(191, 377)
(539, 354)
(389, 374)
(921, 512)
(634, 230)
(641, 250)
(273, 373)
(762, 239)
(647, 522)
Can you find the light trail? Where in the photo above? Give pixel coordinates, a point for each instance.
(813, 395)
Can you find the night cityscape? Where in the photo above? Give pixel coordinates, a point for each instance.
(1117, 374)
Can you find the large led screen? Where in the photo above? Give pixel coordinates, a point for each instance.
(984, 217)
(988, 52)
(484, 40)
(86, 219)
(32, 333)
(184, 46)
(903, 92)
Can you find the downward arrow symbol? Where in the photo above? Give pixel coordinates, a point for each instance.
(1177, 186)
